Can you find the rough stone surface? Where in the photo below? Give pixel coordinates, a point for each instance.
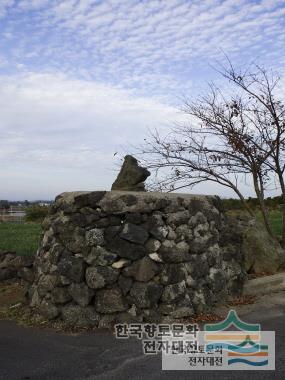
(146, 295)
(75, 315)
(142, 270)
(119, 256)
(72, 268)
(13, 266)
(131, 176)
(81, 294)
(134, 233)
(100, 256)
(110, 301)
(60, 295)
(99, 277)
(262, 253)
(95, 237)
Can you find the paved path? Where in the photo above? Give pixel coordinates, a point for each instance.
(28, 353)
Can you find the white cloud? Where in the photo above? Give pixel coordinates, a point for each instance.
(53, 126)
(127, 41)
(4, 5)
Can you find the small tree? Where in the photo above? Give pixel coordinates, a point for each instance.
(229, 135)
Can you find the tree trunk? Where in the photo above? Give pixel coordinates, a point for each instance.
(282, 185)
(264, 213)
(243, 201)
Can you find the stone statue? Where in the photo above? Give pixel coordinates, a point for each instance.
(131, 176)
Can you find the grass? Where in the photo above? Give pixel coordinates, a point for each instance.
(21, 238)
(275, 219)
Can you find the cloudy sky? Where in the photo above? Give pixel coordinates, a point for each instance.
(83, 79)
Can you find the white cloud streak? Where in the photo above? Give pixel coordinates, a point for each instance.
(80, 79)
(151, 45)
(51, 124)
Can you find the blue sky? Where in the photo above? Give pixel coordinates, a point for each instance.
(82, 79)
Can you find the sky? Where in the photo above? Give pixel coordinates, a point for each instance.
(83, 79)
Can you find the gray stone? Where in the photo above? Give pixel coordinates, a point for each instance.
(64, 280)
(46, 283)
(261, 253)
(174, 253)
(48, 310)
(156, 226)
(19, 262)
(155, 257)
(111, 232)
(133, 233)
(173, 273)
(177, 309)
(98, 277)
(55, 253)
(134, 218)
(184, 232)
(7, 274)
(75, 241)
(120, 264)
(126, 249)
(198, 218)
(100, 256)
(202, 239)
(95, 237)
(198, 266)
(102, 223)
(159, 232)
(7, 260)
(177, 218)
(151, 316)
(75, 315)
(191, 283)
(90, 199)
(26, 274)
(142, 270)
(107, 321)
(125, 284)
(217, 280)
(34, 297)
(60, 295)
(72, 268)
(145, 295)
(152, 245)
(110, 301)
(81, 294)
(131, 176)
(174, 292)
(115, 221)
(171, 234)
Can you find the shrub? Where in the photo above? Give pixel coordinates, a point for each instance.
(36, 213)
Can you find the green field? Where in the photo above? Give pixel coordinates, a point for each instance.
(22, 238)
(275, 218)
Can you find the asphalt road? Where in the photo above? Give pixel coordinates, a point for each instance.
(29, 353)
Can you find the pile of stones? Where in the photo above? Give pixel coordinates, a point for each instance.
(121, 256)
(15, 267)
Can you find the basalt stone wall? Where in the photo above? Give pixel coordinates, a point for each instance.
(118, 256)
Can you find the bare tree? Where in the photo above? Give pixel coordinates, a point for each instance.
(262, 88)
(228, 137)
